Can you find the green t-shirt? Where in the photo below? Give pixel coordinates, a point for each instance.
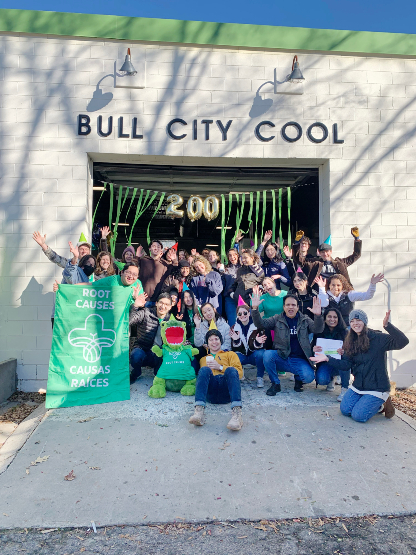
(192, 326)
(272, 305)
(114, 281)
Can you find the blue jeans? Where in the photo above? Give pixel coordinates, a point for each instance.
(139, 357)
(230, 309)
(299, 367)
(360, 407)
(255, 358)
(219, 389)
(324, 374)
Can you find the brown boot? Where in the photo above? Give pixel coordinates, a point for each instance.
(236, 422)
(198, 418)
(389, 410)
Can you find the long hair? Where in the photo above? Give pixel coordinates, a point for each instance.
(277, 257)
(84, 259)
(341, 327)
(346, 287)
(205, 262)
(355, 344)
(252, 254)
(217, 315)
(111, 270)
(184, 307)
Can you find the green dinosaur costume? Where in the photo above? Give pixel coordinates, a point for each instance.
(176, 372)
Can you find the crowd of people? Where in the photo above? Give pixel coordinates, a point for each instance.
(269, 307)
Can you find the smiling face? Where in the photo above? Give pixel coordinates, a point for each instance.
(163, 306)
(128, 256)
(233, 257)
(185, 271)
(303, 248)
(155, 250)
(243, 315)
(208, 312)
(83, 250)
(200, 267)
(246, 259)
(105, 262)
(269, 286)
(331, 319)
(290, 307)
(214, 343)
(130, 275)
(335, 287)
(187, 299)
(212, 257)
(357, 325)
(326, 255)
(270, 252)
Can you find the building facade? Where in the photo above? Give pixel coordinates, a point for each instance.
(353, 118)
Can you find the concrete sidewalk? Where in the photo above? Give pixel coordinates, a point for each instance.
(140, 461)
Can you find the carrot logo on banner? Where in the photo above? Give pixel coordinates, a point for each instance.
(92, 343)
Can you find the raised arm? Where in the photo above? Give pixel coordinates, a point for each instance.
(396, 339)
(49, 253)
(348, 260)
(369, 294)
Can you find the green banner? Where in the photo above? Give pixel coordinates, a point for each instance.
(89, 360)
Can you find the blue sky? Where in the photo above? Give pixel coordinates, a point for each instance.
(356, 15)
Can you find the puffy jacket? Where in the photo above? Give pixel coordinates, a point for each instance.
(370, 369)
(147, 322)
(246, 280)
(222, 327)
(280, 326)
(207, 288)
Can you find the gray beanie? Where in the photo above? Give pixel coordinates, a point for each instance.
(358, 315)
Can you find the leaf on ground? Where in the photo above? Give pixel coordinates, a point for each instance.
(86, 419)
(27, 471)
(94, 467)
(261, 528)
(39, 460)
(241, 537)
(70, 476)
(49, 530)
(345, 528)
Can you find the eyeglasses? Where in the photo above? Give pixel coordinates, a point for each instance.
(243, 313)
(129, 274)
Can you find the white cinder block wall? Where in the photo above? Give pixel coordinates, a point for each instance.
(369, 181)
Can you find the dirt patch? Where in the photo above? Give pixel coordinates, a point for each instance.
(23, 404)
(405, 400)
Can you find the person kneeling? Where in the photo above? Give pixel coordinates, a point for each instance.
(218, 382)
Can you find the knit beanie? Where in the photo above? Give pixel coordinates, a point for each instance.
(357, 314)
(129, 248)
(213, 332)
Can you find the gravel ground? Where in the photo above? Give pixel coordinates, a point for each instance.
(405, 400)
(369, 535)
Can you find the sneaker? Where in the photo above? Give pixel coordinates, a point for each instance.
(236, 422)
(260, 382)
(389, 410)
(298, 386)
(341, 395)
(337, 380)
(198, 418)
(273, 389)
(331, 385)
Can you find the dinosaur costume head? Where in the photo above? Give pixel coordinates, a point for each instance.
(173, 333)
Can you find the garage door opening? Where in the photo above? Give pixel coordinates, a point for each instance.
(299, 205)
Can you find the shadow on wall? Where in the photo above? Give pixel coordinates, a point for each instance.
(405, 374)
(99, 99)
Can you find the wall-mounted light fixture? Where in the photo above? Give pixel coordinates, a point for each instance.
(296, 75)
(128, 68)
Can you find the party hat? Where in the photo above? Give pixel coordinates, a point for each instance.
(241, 301)
(212, 325)
(328, 240)
(185, 287)
(299, 270)
(175, 247)
(82, 239)
(251, 243)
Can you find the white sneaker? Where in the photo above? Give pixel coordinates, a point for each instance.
(260, 382)
(343, 392)
(337, 380)
(331, 385)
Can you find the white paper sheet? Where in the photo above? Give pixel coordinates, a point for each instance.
(329, 346)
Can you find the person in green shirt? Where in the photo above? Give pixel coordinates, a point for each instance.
(272, 298)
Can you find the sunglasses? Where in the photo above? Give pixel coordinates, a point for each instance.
(243, 313)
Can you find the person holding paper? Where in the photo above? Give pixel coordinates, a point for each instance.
(365, 354)
(329, 342)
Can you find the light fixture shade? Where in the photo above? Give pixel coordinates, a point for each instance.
(296, 75)
(128, 68)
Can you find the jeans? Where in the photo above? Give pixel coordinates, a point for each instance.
(360, 407)
(255, 358)
(324, 374)
(139, 357)
(230, 309)
(219, 389)
(299, 367)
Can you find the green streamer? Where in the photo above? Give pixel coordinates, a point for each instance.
(289, 205)
(95, 211)
(110, 213)
(141, 208)
(223, 230)
(131, 202)
(264, 214)
(257, 219)
(239, 216)
(274, 216)
(249, 220)
(230, 203)
(280, 220)
(162, 196)
(115, 232)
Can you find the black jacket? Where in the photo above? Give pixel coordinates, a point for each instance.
(246, 280)
(370, 369)
(279, 324)
(147, 322)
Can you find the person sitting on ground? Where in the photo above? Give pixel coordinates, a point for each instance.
(324, 264)
(335, 329)
(210, 315)
(272, 261)
(365, 354)
(154, 271)
(104, 266)
(291, 346)
(249, 275)
(303, 292)
(271, 299)
(207, 284)
(189, 309)
(336, 292)
(147, 322)
(218, 382)
(249, 342)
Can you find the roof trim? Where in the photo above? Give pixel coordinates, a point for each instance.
(205, 33)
